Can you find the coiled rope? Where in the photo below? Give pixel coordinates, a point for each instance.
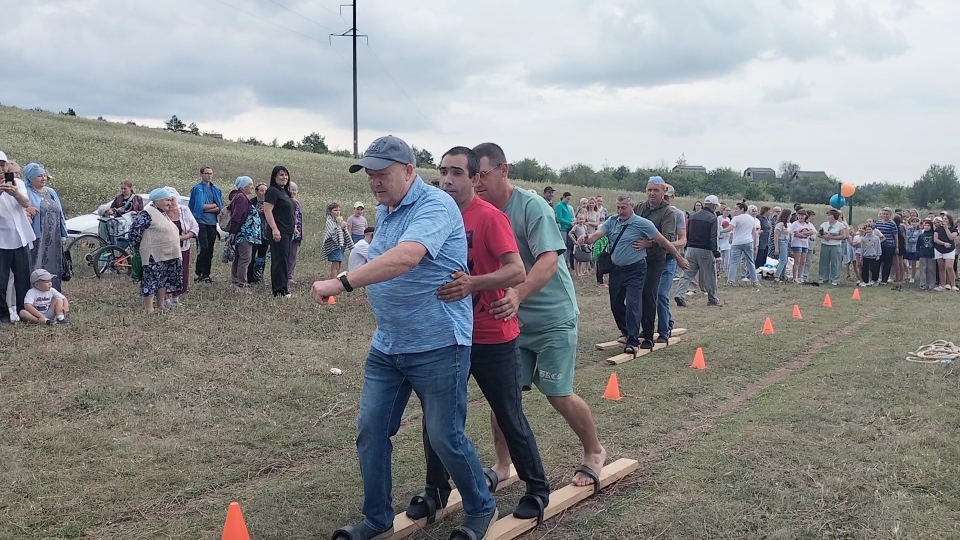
(935, 353)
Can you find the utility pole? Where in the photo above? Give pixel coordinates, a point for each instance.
(353, 33)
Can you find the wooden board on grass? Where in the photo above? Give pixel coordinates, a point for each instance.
(561, 500)
(403, 526)
(618, 344)
(622, 358)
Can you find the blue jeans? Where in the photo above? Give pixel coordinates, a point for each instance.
(664, 318)
(439, 378)
(784, 252)
(356, 237)
(626, 291)
(741, 252)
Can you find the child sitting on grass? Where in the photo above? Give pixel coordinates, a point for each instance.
(44, 304)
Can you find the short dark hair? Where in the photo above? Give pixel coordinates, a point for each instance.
(369, 230)
(205, 167)
(491, 151)
(473, 162)
(566, 194)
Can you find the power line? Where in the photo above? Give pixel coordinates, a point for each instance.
(402, 91)
(270, 22)
(301, 16)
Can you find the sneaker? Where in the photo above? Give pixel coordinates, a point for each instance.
(745, 280)
(912, 280)
(646, 344)
(938, 288)
(51, 322)
(835, 283)
(662, 339)
(62, 319)
(718, 303)
(681, 301)
(691, 293)
(883, 283)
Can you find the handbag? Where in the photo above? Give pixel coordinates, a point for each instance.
(136, 267)
(582, 254)
(67, 272)
(605, 260)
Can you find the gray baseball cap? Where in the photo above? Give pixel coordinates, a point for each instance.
(40, 274)
(383, 153)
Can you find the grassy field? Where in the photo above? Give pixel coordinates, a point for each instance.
(125, 426)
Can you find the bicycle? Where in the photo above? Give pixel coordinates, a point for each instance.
(115, 259)
(83, 248)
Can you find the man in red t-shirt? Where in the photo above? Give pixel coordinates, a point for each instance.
(494, 264)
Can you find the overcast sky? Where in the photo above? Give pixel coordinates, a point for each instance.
(865, 90)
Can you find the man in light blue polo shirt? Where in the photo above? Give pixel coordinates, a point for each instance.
(629, 266)
(422, 344)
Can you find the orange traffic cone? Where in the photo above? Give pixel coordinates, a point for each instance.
(856, 294)
(827, 302)
(796, 312)
(768, 326)
(331, 300)
(613, 388)
(698, 362)
(235, 528)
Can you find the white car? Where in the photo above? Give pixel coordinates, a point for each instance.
(90, 223)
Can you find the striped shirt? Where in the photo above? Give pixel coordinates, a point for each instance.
(889, 230)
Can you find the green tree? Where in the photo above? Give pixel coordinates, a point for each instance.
(893, 195)
(938, 183)
(313, 142)
(817, 190)
(290, 145)
(175, 124)
(786, 170)
(754, 192)
(424, 158)
(868, 193)
(193, 129)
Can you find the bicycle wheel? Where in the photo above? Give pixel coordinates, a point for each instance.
(112, 261)
(81, 251)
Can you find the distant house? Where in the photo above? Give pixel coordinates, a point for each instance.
(696, 169)
(758, 174)
(214, 135)
(808, 175)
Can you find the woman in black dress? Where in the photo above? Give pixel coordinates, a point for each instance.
(278, 209)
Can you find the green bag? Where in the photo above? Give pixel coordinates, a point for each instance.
(136, 267)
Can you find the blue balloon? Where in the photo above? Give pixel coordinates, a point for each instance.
(838, 201)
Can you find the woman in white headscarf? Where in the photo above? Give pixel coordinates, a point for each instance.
(157, 240)
(182, 217)
(48, 223)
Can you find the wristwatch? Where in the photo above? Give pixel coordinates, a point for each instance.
(342, 276)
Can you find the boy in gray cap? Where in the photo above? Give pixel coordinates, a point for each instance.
(44, 304)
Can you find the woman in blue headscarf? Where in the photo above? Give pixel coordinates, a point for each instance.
(47, 221)
(157, 239)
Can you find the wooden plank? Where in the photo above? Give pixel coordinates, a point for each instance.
(618, 344)
(623, 358)
(562, 500)
(403, 526)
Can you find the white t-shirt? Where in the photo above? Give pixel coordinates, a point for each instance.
(42, 300)
(743, 227)
(358, 255)
(826, 228)
(15, 230)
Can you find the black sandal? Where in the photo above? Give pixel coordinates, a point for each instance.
(466, 533)
(492, 479)
(529, 507)
(592, 475)
(359, 531)
(425, 505)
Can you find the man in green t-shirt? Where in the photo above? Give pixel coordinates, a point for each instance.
(546, 306)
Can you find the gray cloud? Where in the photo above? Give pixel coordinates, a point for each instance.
(787, 91)
(655, 43)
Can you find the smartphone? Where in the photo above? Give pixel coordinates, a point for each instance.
(8, 178)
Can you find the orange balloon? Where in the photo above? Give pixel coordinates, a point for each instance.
(847, 190)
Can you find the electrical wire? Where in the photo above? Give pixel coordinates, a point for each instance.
(301, 16)
(402, 91)
(271, 22)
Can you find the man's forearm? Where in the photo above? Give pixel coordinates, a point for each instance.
(504, 277)
(394, 263)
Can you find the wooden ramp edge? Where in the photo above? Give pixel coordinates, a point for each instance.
(561, 500)
(403, 526)
(610, 345)
(623, 358)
